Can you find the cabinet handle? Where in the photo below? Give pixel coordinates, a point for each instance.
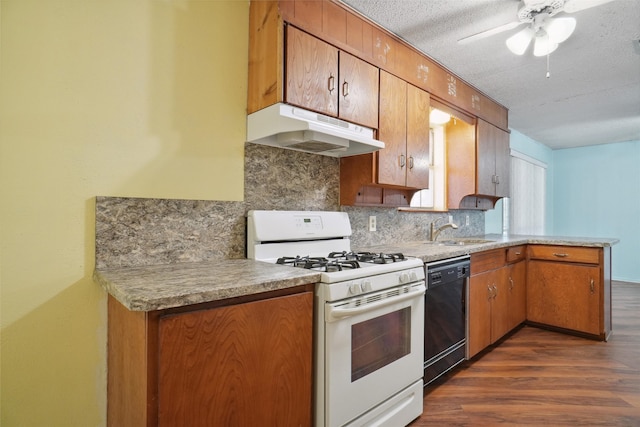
(592, 286)
(345, 89)
(510, 283)
(331, 83)
(403, 160)
(495, 290)
(490, 292)
(410, 162)
(560, 254)
(497, 179)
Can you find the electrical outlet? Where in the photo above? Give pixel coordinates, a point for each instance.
(466, 222)
(450, 219)
(372, 223)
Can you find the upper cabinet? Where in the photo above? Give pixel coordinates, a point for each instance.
(392, 175)
(325, 57)
(404, 128)
(349, 32)
(492, 160)
(477, 164)
(322, 78)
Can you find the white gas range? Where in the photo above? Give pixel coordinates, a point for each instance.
(369, 317)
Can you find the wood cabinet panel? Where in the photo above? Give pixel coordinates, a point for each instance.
(312, 73)
(487, 260)
(358, 91)
(517, 288)
(479, 312)
(461, 161)
(516, 253)
(565, 253)
(248, 363)
(565, 295)
(266, 56)
(497, 298)
(500, 305)
(417, 137)
(232, 365)
(393, 128)
(492, 160)
(131, 385)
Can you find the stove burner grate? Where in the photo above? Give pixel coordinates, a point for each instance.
(319, 263)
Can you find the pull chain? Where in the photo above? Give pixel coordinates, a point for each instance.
(548, 73)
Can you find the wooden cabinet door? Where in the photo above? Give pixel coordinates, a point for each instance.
(242, 365)
(393, 130)
(311, 73)
(358, 91)
(493, 161)
(417, 137)
(516, 282)
(479, 312)
(499, 305)
(564, 295)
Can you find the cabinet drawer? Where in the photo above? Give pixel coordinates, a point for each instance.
(516, 253)
(486, 261)
(565, 253)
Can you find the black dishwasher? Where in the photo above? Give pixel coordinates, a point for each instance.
(445, 328)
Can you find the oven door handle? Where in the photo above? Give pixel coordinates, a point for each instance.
(336, 313)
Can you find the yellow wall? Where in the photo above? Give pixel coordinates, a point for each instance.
(132, 98)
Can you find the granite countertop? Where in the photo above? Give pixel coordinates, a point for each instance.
(428, 251)
(158, 287)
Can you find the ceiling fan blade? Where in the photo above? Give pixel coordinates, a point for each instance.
(492, 31)
(572, 6)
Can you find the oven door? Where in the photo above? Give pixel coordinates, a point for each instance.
(373, 350)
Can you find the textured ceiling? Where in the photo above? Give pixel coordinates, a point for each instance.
(593, 93)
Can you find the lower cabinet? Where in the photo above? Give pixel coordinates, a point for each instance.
(516, 272)
(249, 363)
(570, 288)
(497, 296)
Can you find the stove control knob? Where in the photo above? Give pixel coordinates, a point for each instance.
(404, 277)
(366, 286)
(414, 276)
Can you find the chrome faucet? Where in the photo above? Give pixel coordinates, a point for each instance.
(436, 231)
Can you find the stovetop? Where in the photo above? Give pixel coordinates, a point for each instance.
(339, 261)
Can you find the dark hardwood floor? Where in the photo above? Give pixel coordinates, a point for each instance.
(538, 377)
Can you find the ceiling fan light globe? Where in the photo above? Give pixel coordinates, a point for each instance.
(519, 42)
(543, 46)
(559, 29)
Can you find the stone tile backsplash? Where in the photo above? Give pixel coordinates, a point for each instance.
(139, 231)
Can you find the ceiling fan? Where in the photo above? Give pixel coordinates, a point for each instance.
(539, 15)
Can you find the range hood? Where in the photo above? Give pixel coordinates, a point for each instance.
(286, 126)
